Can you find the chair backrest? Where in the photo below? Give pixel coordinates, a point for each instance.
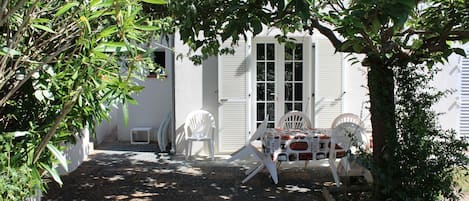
(162, 135)
(199, 124)
(260, 130)
(348, 134)
(294, 120)
(347, 117)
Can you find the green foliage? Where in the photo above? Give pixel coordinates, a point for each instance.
(19, 178)
(63, 66)
(426, 156)
(18, 183)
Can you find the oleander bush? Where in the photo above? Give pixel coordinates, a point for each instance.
(63, 66)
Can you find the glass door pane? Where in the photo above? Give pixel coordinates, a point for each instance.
(293, 77)
(265, 83)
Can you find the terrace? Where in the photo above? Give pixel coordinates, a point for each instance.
(120, 171)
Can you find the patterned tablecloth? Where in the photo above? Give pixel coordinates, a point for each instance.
(295, 145)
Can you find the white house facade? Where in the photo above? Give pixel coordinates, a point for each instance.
(265, 77)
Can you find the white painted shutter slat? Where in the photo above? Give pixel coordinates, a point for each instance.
(232, 97)
(464, 97)
(328, 92)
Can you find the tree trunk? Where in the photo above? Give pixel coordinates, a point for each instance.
(382, 109)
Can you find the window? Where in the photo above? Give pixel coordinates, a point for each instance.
(159, 57)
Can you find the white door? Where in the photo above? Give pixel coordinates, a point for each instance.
(328, 90)
(282, 78)
(232, 98)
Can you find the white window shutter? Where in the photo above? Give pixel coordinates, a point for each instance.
(464, 96)
(328, 84)
(232, 96)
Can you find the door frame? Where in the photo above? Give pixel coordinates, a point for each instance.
(308, 76)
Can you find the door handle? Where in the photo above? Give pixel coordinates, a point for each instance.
(223, 99)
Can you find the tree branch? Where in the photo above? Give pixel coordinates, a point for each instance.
(5, 17)
(19, 33)
(329, 33)
(65, 110)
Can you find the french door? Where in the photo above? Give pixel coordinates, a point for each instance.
(282, 79)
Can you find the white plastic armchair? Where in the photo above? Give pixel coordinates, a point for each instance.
(262, 160)
(199, 126)
(346, 138)
(294, 120)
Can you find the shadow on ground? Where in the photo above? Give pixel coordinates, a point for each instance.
(122, 173)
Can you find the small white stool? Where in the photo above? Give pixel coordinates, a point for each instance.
(136, 131)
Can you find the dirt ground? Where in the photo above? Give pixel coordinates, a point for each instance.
(136, 172)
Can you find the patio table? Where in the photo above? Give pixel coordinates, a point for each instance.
(298, 145)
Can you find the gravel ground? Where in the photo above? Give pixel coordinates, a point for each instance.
(135, 172)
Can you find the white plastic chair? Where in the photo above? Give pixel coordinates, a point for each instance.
(294, 120)
(263, 160)
(199, 126)
(348, 136)
(162, 135)
(347, 117)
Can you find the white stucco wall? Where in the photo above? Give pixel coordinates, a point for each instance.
(356, 99)
(76, 153)
(153, 104)
(154, 101)
(188, 89)
(449, 79)
(107, 130)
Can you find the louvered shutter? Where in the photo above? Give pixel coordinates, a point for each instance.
(232, 98)
(328, 84)
(464, 97)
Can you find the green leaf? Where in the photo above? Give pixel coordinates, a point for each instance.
(65, 8)
(357, 47)
(375, 25)
(108, 31)
(302, 8)
(132, 101)
(257, 26)
(99, 13)
(40, 20)
(87, 23)
(137, 88)
(416, 44)
(44, 28)
(96, 4)
(154, 1)
(111, 47)
(8, 51)
(39, 96)
(58, 155)
(460, 52)
(53, 172)
(146, 28)
(75, 75)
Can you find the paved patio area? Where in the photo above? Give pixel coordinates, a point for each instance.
(120, 171)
